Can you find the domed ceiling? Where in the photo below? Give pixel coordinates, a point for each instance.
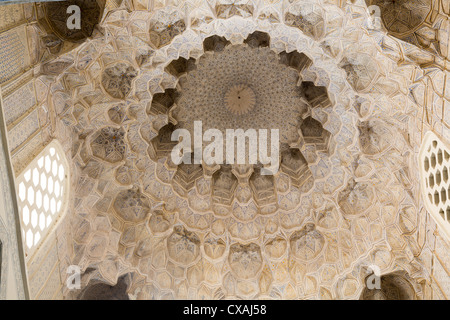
(342, 200)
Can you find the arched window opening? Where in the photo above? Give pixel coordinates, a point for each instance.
(42, 190)
(434, 163)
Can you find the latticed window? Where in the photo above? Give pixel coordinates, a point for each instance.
(434, 159)
(42, 192)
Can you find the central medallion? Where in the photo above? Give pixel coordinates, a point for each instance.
(240, 99)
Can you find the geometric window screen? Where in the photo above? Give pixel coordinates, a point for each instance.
(434, 159)
(42, 190)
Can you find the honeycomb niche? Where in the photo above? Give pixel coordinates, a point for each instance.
(56, 16)
(393, 286)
